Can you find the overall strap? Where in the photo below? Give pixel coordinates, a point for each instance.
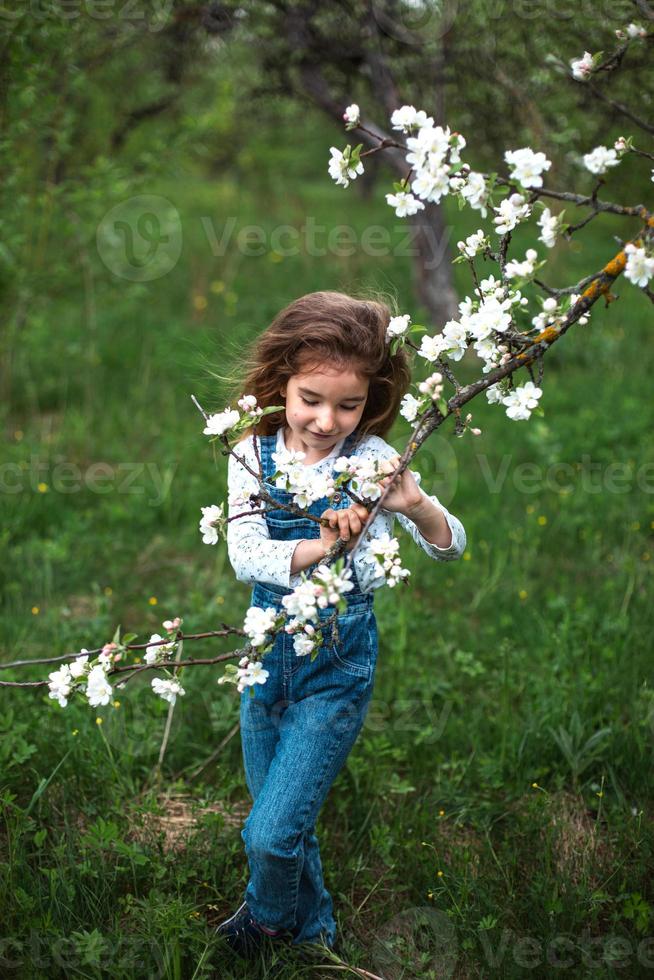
(267, 446)
(349, 444)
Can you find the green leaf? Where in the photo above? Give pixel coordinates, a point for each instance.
(44, 783)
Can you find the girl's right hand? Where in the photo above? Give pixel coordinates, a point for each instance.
(347, 524)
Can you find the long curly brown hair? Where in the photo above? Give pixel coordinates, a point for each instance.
(319, 327)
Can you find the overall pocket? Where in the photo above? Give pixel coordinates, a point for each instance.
(284, 525)
(353, 654)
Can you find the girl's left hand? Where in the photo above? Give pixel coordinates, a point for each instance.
(404, 496)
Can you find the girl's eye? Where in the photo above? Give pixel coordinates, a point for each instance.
(346, 408)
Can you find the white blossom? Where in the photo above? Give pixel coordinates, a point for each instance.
(107, 655)
(252, 673)
(473, 244)
(341, 168)
(547, 316)
(408, 118)
(296, 479)
(330, 585)
(259, 622)
(60, 684)
(431, 348)
(494, 394)
(493, 314)
(466, 307)
(635, 30)
(98, 688)
(456, 338)
(405, 204)
(600, 159)
(522, 401)
(301, 602)
(431, 184)
(287, 458)
(167, 689)
(352, 114)
(212, 517)
(397, 326)
(490, 352)
(409, 408)
(218, 424)
(80, 665)
(549, 225)
(305, 641)
(364, 475)
(527, 166)
(248, 403)
(492, 287)
(433, 147)
(510, 211)
(640, 267)
(475, 192)
(524, 269)
(432, 386)
(385, 552)
(582, 67)
(155, 652)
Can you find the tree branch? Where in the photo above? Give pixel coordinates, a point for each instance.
(619, 107)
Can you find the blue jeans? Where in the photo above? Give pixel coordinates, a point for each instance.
(296, 732)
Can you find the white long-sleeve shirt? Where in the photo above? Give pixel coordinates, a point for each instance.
(256, 557)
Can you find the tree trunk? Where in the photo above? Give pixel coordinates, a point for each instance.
(432, 259)
(432, 267)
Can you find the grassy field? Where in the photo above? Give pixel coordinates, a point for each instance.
(501, 790)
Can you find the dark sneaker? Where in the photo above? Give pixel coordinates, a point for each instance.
(245, 936)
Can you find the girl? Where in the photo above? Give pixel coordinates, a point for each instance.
(326, 359)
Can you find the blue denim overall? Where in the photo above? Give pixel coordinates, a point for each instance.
(296, 733)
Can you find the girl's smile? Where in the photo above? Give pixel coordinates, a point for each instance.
(322, 407)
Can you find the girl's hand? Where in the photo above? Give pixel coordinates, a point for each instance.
(405, 495)
(346, 524)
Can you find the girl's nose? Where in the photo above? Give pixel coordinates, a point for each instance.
(326, 422)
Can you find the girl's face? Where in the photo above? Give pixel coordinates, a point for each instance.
(323, 405)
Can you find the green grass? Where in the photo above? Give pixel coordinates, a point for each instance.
(477, 759)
